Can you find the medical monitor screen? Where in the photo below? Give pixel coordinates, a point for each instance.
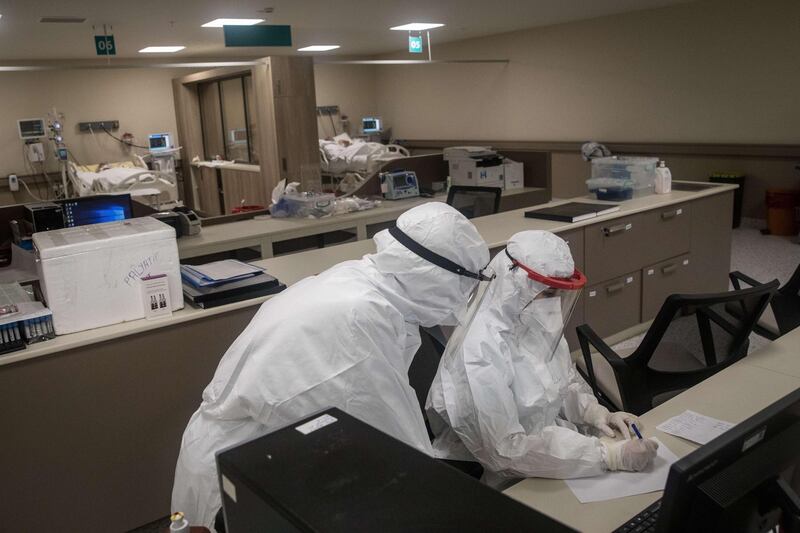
(371, 125)
(159, 141)
(399, 181)
(96, 209)
(31, 128)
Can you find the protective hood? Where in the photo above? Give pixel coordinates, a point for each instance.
(426, 293)
(512, 291)
(502, 394)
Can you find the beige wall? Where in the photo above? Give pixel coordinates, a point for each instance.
(352, 88)
(717, 71)
(141, 99)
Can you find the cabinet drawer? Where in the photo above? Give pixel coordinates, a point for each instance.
(614, 305)
(574, 239)
(668, 232)
(662, 279)
(614, 247)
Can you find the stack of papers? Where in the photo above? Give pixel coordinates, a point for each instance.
(218, 273)
(611, 485)
(695, 427)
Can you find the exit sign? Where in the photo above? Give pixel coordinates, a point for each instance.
(104, 45)
(415, 44)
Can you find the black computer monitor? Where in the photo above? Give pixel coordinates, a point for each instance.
(96, 209)
(742, 480)
(333, 473)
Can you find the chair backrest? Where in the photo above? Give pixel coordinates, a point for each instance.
(692, 338)
(425, 364)
(786, 304)
(474, 201)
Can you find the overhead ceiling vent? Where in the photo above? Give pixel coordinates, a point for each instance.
(63, 20)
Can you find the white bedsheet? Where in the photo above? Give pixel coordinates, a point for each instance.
(355, 157)
(108, 178)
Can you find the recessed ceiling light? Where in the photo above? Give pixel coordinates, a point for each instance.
(161, 49)
(318, 48)
(417, 26)
(218, 23)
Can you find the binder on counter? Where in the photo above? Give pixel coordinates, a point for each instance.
(235, 291)
(572, 211)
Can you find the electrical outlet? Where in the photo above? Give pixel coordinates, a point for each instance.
(13, 183)
(98, 126)
(328, 109)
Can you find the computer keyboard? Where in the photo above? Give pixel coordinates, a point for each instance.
(644, 522)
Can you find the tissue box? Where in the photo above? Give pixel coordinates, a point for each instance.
(91, 275)
(514, 175)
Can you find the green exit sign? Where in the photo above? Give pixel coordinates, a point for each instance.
(415, 44)
(104, 45)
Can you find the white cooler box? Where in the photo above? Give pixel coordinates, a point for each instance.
(90, 275)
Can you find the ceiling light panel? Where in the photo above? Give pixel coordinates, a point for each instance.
(218, 23)
(62, 20)
(417, 26)
(161, 49)
(318, 48)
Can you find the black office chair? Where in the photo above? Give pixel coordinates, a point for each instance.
(420, 376)
(691, 338)
(474, 202)
(783, 313)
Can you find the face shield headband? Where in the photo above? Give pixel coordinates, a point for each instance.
(573, 283)
(432, 257)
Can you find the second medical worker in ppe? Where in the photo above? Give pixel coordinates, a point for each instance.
(508, 394)
(344, 338)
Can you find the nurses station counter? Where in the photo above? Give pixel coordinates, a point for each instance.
(263, 232)
(92, 421)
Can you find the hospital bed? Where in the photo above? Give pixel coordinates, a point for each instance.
(152, 187)
(354, 159)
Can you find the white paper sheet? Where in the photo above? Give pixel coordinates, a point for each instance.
(695, 427)
(613, 485)
(225, 269)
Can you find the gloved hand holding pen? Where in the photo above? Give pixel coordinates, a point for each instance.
(599, 417)
(633, 455)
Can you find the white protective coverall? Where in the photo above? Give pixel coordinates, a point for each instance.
(499, 397)
(344, 338)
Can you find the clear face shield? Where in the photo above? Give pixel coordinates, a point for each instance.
(548, 313)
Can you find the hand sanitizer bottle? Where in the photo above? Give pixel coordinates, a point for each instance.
(663, 179)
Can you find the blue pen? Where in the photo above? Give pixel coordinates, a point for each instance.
(636, 430)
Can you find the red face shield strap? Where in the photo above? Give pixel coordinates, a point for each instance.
(573, 283)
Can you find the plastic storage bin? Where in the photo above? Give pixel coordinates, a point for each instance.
(304, 205)
(621, 178)
(611, 189)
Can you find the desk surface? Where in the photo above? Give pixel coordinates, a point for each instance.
(495, 229)
(244, 233)
(733, 395)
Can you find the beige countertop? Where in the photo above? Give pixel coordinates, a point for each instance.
(733, 394)
(228, 166)
(495, 229)
(266, 230)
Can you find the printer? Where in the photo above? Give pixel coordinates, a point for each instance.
(478, 166)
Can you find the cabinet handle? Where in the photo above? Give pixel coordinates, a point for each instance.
(284, 164)
(611, 289)
(666, 215)
(669, 269)
(616, 229)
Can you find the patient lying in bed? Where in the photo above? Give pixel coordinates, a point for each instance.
(344, 154)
